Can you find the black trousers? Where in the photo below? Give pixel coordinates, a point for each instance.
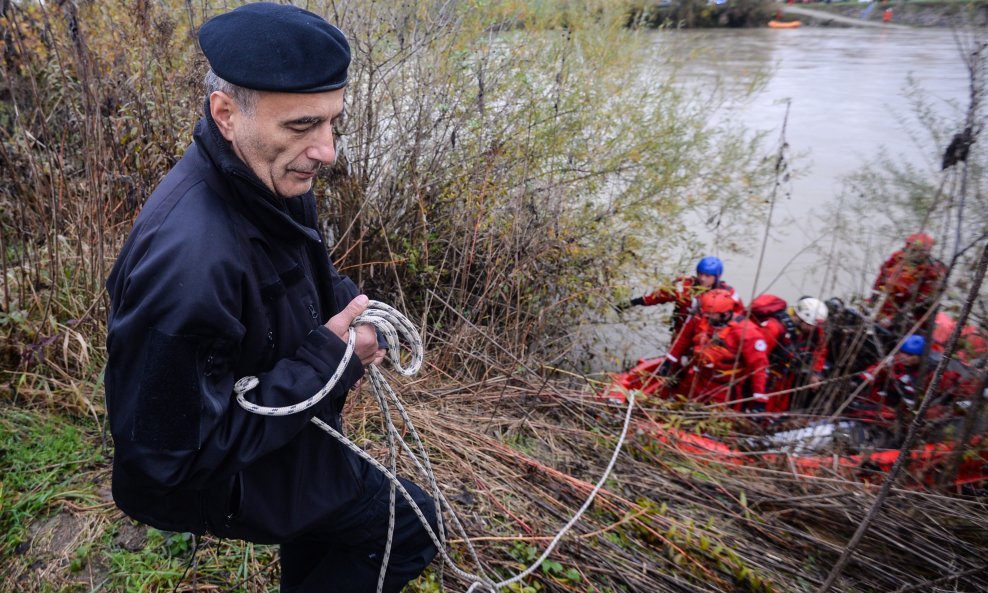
(347, 558)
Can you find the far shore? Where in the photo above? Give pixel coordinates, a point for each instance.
(921, 13)
(701, 14)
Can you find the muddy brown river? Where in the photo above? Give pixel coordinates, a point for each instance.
(845, 89)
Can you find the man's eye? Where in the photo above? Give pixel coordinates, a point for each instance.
(300, 129)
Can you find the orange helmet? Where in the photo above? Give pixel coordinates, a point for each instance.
(715, 301)
(921, 240)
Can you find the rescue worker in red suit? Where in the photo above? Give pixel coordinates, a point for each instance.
(687, 289)
(723, 354)
(908, 284)
(972, 344)
(969, 356)
(898, 382)
(797, 347)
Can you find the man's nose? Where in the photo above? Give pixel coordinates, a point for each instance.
(323, 149)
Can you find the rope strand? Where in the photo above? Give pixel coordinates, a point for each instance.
(391, 323)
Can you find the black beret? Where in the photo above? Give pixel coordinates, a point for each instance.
(275, 47)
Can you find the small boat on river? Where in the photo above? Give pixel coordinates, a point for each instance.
(774, 24)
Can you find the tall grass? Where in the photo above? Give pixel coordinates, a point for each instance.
(95, 100)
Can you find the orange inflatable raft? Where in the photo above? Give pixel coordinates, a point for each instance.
(923, 465)
(784, 24)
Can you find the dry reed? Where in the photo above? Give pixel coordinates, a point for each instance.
(518, 461)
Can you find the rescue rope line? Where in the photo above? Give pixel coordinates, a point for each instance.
(390, 323)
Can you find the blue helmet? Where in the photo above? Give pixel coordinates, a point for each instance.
(914, 344)
(710, 265)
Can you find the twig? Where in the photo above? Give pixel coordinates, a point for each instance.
(925, 585)
(780, 166)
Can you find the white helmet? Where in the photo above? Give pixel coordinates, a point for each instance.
(812, 311)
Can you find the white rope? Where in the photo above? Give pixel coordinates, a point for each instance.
(390, 323)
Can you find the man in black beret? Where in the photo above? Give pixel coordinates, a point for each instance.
(225, 276)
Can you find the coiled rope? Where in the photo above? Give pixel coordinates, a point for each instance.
(391, 323)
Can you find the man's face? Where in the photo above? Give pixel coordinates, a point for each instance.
(909, 360)
(287, 138)
(917, 252)
(706, 280)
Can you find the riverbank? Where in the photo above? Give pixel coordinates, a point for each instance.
(516, 462)
(696, 14)
(490, 245)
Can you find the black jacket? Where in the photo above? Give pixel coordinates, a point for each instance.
(220, 279)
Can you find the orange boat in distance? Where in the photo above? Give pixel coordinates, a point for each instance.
(784, 24)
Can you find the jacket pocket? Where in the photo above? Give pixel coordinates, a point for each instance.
(234, 501)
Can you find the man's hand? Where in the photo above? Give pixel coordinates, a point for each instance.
(366, 347)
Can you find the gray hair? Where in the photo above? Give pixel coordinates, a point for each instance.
(245, 98)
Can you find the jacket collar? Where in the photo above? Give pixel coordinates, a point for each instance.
(262, 206)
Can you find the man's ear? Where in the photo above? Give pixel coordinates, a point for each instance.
(224, 111)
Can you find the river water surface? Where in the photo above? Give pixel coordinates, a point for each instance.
(845, 89)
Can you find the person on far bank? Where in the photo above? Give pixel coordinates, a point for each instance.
(225, 275)
(907, 285)
(686, 290)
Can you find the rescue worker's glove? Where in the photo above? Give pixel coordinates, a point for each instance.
(665, 369)
(624, 305)
(756, 408)
(902, 390)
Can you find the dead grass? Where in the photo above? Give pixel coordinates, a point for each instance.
(519, 464)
